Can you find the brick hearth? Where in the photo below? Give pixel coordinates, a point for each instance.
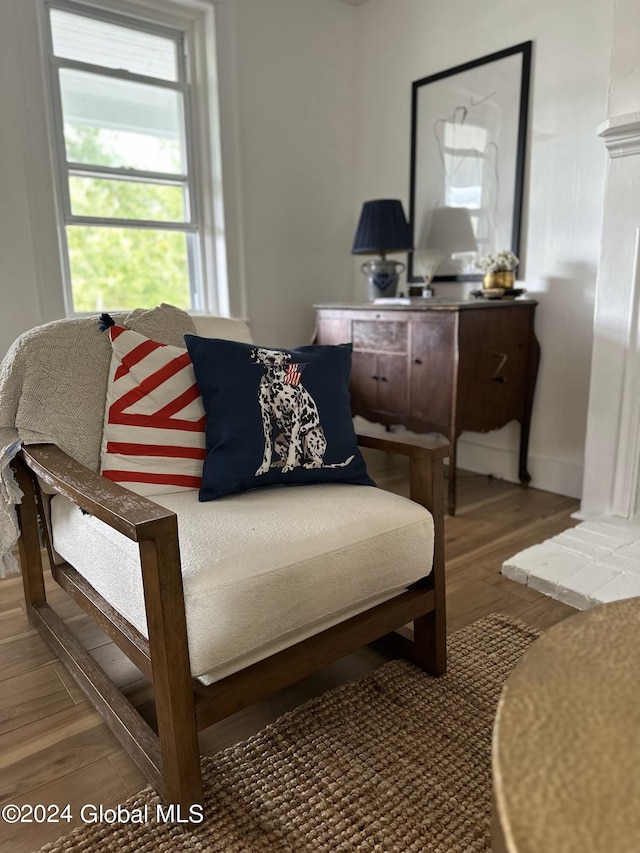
(595, 562)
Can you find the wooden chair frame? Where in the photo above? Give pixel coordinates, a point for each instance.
(169, 759)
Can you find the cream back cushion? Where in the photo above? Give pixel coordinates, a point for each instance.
(210, 326)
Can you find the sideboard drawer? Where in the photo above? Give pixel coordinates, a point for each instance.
(379, 335)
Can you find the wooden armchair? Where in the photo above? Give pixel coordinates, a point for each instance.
(169, 758)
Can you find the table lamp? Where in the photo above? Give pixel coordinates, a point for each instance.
(451, 234)
(382, 228)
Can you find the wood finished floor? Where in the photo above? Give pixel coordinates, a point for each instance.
(54, 748)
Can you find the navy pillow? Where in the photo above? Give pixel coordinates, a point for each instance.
(274, 416)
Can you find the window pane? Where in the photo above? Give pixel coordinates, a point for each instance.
(112, 122)
(124, 268)
(112, 45)
(114, 199)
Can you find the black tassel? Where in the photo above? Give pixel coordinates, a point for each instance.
(105, 322)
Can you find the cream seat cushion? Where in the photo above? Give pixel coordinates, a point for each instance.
(263, 569)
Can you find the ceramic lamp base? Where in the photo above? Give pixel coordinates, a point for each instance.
(382, 277)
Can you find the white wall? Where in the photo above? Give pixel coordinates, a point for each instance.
(30, 283)
(294, 72)
(400, 41)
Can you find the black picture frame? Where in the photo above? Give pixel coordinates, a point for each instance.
(468, 147)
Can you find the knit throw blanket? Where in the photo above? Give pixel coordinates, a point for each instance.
(53, 385)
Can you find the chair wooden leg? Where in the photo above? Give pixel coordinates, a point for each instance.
(430, 643)
(29, 541)
(174, 697)
(430, 631)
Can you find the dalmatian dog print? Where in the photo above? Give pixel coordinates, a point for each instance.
(290, 419)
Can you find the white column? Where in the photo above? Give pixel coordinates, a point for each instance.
(612, 455)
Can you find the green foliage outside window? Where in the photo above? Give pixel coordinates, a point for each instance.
(122, 267)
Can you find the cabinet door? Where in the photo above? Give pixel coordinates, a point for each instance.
(432, 366)
(364, 382)
(494, 348)
(379, 373)
(392, 384)
(379, 383)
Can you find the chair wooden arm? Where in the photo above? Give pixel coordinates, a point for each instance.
(414, 446)
(133, 515)
(426, 472)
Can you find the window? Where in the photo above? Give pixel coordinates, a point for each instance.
(134, 219)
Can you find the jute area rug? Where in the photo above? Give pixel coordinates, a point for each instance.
(395, 762)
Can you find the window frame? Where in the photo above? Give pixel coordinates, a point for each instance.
(191, 26)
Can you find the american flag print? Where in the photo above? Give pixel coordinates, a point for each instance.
(154, 430)
(293, 374)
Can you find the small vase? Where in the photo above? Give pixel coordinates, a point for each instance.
(382, 277)
(505, 279)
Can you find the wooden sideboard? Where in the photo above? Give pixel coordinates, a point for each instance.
(442, 367)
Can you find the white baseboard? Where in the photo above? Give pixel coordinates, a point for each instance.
(551, 475)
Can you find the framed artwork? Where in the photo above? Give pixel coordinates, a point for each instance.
(468, 139)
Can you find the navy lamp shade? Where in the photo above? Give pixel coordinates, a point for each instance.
(382, 228)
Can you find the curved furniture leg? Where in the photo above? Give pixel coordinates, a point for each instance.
(525, 423)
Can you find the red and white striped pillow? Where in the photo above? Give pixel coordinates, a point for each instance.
(154, 428)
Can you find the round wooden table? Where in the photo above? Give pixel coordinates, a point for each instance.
(566, 743)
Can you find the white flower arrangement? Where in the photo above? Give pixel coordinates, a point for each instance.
(504, 261)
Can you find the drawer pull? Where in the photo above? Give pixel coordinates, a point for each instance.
(497, 374)
(383, 379)
(417, 361)
(375, 377)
